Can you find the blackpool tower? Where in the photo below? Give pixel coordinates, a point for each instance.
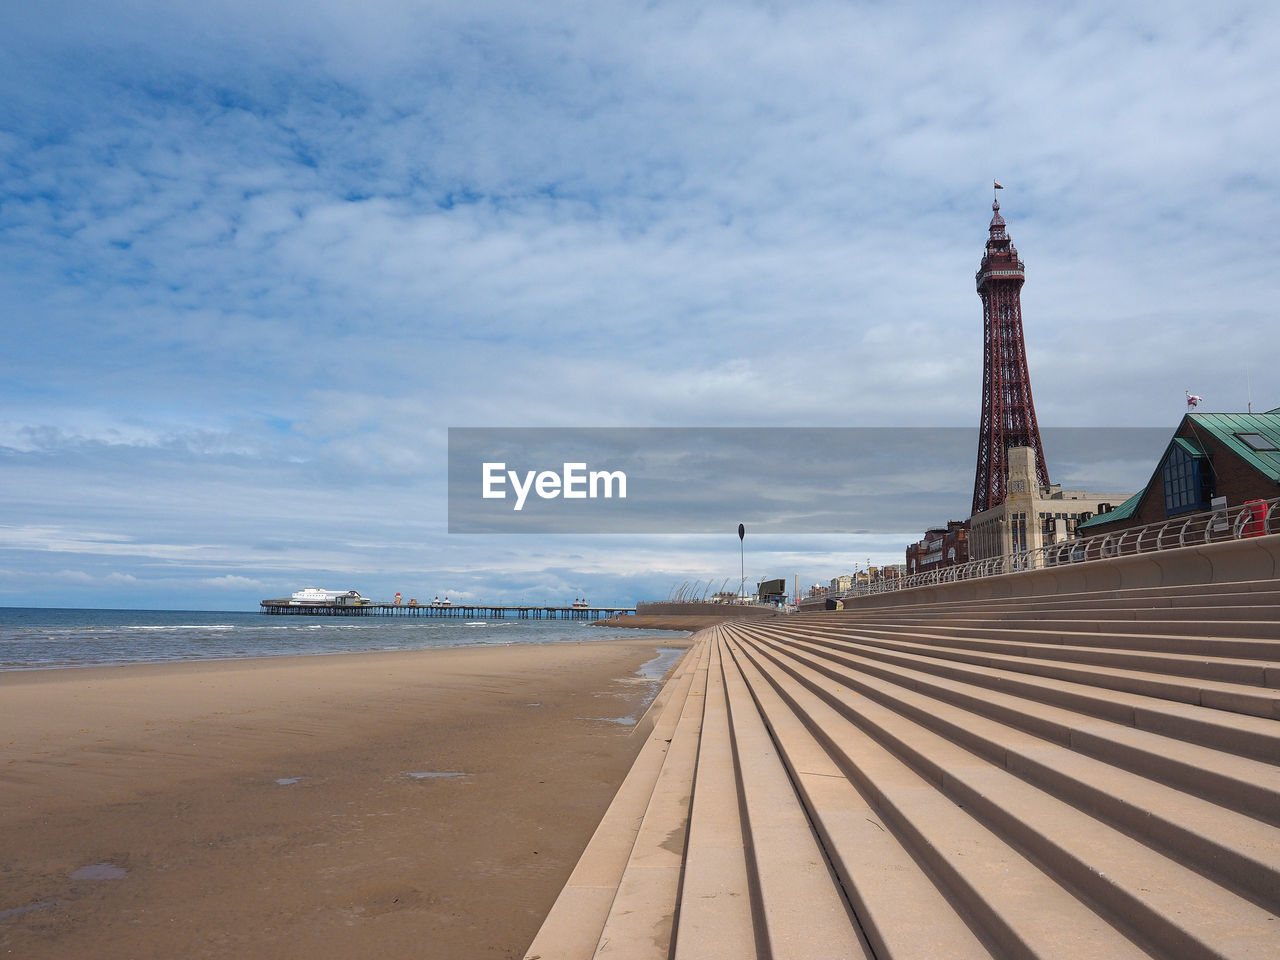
(1008, 413)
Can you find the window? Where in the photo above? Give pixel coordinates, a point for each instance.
(1185, 486)
(1018, 531)
(1256, 441)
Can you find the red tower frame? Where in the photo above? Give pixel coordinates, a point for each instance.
(1008, 412)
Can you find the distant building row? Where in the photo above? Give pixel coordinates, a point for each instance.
(831, 596)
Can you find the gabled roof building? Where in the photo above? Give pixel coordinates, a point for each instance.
(1231, 455)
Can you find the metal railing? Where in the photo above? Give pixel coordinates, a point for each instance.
(1254, 519)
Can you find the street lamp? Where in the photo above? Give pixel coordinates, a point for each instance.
(742, 584)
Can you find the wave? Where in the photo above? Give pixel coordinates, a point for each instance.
(178, 626)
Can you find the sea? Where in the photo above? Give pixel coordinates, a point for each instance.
(36, 638)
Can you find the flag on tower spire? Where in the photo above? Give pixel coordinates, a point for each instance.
(998, 185)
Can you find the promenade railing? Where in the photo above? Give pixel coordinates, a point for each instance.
(1253, 519)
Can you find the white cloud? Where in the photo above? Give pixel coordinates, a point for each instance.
(233, 582)
(257, 259)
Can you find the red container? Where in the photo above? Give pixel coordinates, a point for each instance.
(1253, 514)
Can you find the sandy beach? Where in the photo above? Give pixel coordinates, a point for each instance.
(426, 804)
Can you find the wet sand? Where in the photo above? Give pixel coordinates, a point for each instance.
(307, 807)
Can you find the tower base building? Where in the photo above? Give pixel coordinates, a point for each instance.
(1032, 514)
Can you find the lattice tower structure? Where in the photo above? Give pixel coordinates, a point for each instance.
(1008, 412)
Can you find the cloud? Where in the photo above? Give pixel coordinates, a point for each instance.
(256, 259)
(232, 582)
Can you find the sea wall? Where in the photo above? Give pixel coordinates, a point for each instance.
(1244, 561)
(720, 611)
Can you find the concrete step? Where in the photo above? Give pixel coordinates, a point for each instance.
(1236, 849)
(888, 889)
(1250, 672)
(1088, 775)
(1224, 594)
(641, 919)
(1238, 733)
(801, 907)
(1166, 619)
(1253, 610)
(1263, 617)
(1158, 901)
(716, 920)
(1264, 592)
(1015, 906)
(573, 927)
(1240, 648)
(1088, 622)
(1219, 695)
(1247, 785)
(1256, 575)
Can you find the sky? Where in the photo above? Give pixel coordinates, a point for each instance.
(256, 259)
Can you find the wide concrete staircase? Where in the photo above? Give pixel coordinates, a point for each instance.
(1091, 775)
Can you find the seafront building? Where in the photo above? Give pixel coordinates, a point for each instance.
(940, 547)
(873, 574)
(1031, 515)
(314, 596)
(1212, 459)
(771, 591)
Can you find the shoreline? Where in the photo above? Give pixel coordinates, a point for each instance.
(427, 801)
(478, 645)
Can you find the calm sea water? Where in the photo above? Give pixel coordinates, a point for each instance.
(34, 638)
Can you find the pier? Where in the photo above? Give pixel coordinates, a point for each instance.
(467, 611)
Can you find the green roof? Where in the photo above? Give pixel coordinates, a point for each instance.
(1122, 512)
(1227, 429)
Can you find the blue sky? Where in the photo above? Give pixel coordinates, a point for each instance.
(256, 258)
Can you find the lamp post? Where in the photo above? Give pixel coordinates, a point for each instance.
(742, 583)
